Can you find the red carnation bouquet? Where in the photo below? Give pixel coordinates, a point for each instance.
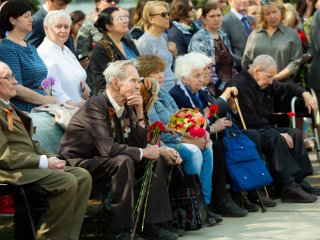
(188, 120)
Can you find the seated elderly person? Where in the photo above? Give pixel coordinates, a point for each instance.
(196, 153)
(284, 147)
(189, 93)
(24, 161)
(62, 64)
(113, 148)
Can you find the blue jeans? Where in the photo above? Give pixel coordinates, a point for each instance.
(197, 161)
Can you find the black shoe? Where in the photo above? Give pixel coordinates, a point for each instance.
(173, 229)
(310, 189)
(297, 195)
(154, 232)
(226, 207)
(244, 202)
(214, 216)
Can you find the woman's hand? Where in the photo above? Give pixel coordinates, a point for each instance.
(85, 90)
(199, 142)
(172, 47)
(50, 100)
(220, 125)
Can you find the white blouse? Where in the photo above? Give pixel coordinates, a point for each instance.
(63, 66)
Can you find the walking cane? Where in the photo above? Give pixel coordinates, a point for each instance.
(263, 207)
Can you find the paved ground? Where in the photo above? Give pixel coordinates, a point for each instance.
(285, 221)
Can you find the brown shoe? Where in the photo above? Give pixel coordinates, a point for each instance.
(297, 195)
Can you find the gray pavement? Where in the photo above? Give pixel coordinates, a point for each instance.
(285, 221)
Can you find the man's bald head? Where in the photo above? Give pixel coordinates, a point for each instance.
(7, 82)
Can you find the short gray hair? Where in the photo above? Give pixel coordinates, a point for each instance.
(186, 63)
(263, 62)
(118, 69)
(53, 15)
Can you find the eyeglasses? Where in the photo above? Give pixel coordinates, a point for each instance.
(10, 78)
(190, 8)
(122, 19)
(162, 14)
(264, 2)
(110, 1)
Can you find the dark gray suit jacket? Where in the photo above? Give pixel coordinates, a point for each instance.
(315, 46)
(238, 38)
(36, 36)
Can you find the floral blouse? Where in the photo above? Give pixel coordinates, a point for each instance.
(203, 42)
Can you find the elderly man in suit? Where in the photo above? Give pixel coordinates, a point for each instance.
(108, 137)
(238, 26)
(24, 161)
(36, 36)
(284, 147)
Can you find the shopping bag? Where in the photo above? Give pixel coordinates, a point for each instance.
(245, 165)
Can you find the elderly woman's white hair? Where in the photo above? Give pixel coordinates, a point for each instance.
(186, 63)
(118, 69)
(53, 15)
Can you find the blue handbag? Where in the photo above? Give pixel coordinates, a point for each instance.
(245, 165)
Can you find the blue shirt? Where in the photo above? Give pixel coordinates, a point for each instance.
(162, 110)
(129, 53)
(27, 67)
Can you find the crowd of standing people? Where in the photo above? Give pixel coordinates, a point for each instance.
(264, 52)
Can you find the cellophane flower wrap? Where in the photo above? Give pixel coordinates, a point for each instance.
(188, 120)
(155, 131)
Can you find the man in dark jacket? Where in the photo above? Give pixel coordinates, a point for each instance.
(108, 137)
(284, 147)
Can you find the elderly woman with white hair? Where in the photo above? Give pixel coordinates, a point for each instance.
(192, 72)
(62, 64)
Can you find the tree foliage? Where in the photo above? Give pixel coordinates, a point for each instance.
(34, 4)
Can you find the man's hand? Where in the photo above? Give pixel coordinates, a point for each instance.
(151, 152)
(227, 94)
(56, 163)
(310, 102)
(170, 155)
(135, 100)
(288, 139)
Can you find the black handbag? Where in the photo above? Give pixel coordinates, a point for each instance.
(188, 206)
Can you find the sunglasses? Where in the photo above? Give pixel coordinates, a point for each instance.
(264, 2)
(110, 1)
(162, 14)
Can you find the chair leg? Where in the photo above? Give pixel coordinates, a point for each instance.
(28, 213)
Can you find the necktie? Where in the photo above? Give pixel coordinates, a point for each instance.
(246, 26)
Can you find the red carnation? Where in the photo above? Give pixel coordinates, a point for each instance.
(303, 37)
(197, 132)
(213, 111)
(159, 125)
(291, 114)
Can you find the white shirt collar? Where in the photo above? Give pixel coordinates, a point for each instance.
(117, 108)
(5, 102)
(45, 8)
(238, 15)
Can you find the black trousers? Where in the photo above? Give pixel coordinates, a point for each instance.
(120, 172)
(219, 167)
(282, 161)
